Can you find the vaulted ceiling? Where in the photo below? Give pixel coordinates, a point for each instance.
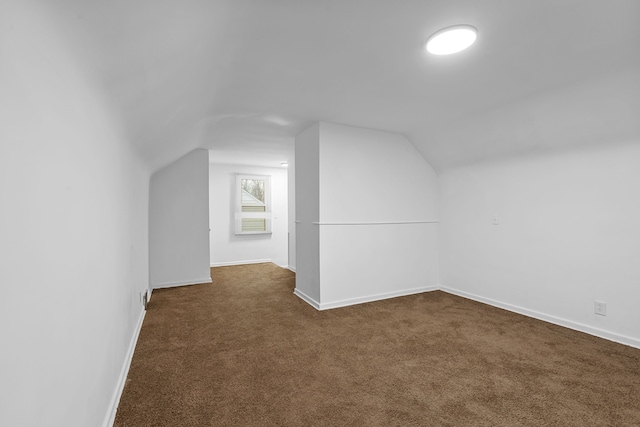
(243, 77)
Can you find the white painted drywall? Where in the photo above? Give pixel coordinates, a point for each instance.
(373, 176)
(369, 175)
(307, 208)
(568, 233)
(179, 222)
(227, 248)
(370, 262)
(291, 179)
(366, 176)
(73, 230)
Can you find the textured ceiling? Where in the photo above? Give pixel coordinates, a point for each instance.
(243, 77)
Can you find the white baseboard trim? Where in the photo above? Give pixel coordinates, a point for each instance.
(291, 268)
(376, 297)
(228, 263)
(117, 394)
(306, 298)
(581, 327)
(361, 300)
(182, 283)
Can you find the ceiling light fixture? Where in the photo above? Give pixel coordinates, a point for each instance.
(451, 39)
(284, 164)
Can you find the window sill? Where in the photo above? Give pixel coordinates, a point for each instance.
(243, 233)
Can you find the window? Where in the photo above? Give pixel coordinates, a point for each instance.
(253, 204)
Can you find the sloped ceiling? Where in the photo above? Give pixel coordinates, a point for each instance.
(243, 77)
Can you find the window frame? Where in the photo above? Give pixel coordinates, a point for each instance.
(239, 214)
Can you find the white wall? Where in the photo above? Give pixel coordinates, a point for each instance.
(368, 175)
(568, 234)
(291, 221)
(179, 222)
(377, 210)
(307, 200)
(227, 248)
(73, 231)
(372, 176)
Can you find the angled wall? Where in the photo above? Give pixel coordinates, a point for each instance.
(73, 231)
(179, 222)
(376, 215)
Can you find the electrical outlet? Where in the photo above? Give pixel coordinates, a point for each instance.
(600, 308)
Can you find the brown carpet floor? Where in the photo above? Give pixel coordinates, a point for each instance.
(244, 351)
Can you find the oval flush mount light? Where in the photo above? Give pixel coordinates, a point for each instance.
(451, 39)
